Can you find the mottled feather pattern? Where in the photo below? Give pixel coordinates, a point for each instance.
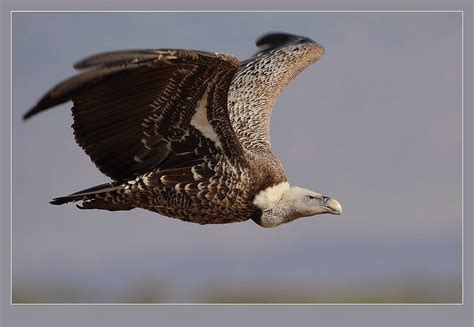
(256, 86)
(190, 197)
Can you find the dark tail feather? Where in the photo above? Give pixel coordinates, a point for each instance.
(88, 196)
(65, 199)
(88, 193)
(104, 205)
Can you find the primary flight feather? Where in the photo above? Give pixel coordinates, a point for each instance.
(185, 133)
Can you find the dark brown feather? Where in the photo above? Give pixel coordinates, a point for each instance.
(134, 106)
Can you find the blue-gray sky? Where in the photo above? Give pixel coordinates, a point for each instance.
(376, 124)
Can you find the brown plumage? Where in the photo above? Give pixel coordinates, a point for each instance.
(183, 133)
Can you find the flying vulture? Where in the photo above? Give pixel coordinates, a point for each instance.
(185, 133)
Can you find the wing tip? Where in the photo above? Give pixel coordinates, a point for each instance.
(274, 40)
(89, 62)
(45, 103)
(27, 115)
(30, 113)
(80, 64)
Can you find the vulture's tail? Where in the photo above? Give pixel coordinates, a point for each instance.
(97, 197)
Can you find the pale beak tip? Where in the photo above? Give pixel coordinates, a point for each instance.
(335, 206)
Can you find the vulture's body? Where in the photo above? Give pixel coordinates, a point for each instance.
(186, 133)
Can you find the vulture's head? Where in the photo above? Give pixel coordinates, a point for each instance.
(281, 204)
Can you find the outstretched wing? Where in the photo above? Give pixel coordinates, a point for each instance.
(261, 79)
(136, 110)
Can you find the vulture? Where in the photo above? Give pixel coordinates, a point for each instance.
(186, 133)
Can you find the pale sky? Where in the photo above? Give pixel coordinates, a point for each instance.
(375, 124)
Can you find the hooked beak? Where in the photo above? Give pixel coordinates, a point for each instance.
(333, 206)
